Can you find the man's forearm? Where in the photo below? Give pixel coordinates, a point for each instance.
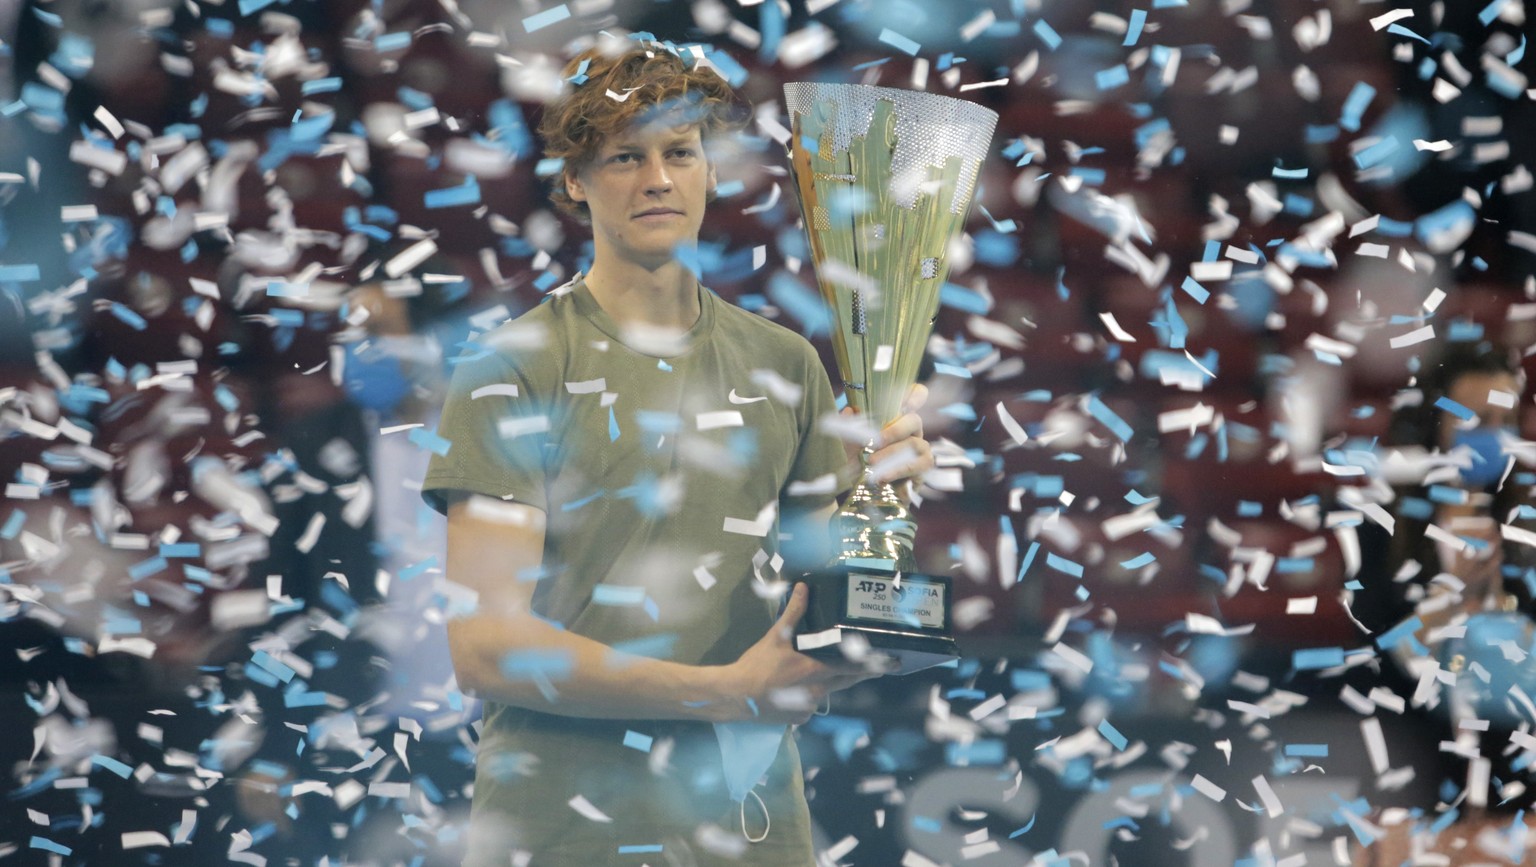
(524, 661)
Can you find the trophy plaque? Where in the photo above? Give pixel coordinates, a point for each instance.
(885, 179)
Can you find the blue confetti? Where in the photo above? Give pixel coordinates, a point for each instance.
(1112, 735)
(1377, 153)
(276, 668)
(1355, 104)
(1195, 290)
(1307, 751)
(467, 193)
(771, 25)
(112, 765)
(430, 440)
(1029, 558)
(1400, 30)
(628, 850)
(984, 751)
(321, 85)
(1319, 657)
(727, 66)
(49, 846)
(1047, 34)
(1063, 565)
(1143, 559)
(1108, 418)
(899, 42)
(1455, 408)
(1134, 26)
(613, 594)
(1491, 11)
(397, 41)
(145, 568)
(1111, 78)
(964, 299)
(1090, 176)
(19, 274)
(418, 568)
(1453, 217)
(637, 741)
(129, 317)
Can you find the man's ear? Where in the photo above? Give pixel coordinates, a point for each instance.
(574, 188)
(712, 182)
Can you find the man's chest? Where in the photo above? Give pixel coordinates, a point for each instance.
(628, 420)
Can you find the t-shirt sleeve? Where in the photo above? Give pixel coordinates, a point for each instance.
(496, 425)
(820, 473)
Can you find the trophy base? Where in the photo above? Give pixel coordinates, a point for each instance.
(862, 610)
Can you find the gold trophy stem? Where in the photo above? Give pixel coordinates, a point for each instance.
(874, 524)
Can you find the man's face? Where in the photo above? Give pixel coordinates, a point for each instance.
(1471, 390)
(645, 190)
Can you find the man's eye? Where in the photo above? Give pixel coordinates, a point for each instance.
(623, 158)
(682, 154)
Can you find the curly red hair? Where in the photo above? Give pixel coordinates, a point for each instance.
(661, 86)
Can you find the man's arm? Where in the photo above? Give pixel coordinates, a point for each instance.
(506, 653)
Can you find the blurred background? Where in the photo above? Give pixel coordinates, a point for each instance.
(1216, 248)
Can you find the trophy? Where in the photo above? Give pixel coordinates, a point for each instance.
(885, 178)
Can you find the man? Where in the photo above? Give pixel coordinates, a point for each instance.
(623, 458)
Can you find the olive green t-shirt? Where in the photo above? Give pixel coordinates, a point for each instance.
(663, 471)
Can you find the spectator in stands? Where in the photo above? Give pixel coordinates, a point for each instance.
(1457, 593)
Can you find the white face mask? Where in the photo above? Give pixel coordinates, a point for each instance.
(747, 750)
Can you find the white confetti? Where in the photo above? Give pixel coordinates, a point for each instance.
(1073, 657)
(410, 257)
(718, 419)
(1301, 605)
(1015, 430)
(1115, 330)
(1418, 335)
(1387, 19)
(140, 839)
(1267, 796)
(1208, 788)
(1375, 744)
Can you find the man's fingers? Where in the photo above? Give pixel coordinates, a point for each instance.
(904, 460)
(915, 398)
(794, 609)
(905, 426)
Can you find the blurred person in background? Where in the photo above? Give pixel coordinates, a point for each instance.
(1453, 596)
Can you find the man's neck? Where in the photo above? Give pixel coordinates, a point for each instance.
(666, 297)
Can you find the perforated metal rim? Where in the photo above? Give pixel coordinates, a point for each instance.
(931, 129)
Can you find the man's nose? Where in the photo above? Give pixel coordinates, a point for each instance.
(657, 179)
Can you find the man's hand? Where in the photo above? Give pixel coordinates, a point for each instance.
(782, 684)
(901, 453)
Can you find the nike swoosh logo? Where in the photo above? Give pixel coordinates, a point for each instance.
(737, 399)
